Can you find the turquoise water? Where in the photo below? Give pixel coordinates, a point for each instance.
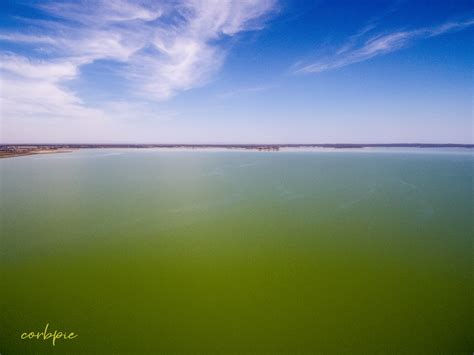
(149, 251)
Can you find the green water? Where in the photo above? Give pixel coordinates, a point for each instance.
(148, 251)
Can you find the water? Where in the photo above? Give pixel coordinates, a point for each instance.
(149, 251)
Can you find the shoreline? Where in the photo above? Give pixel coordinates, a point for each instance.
(4, 154)
(12, 151)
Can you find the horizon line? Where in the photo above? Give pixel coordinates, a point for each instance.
(399, 144)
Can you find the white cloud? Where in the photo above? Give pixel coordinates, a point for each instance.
(99, 13)
(18, 37)
(50, 71)
(165, 47)
(244, 91)
(188, 53)
(169, 48)
(355, 51)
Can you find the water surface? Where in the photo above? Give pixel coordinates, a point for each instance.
(150, 251)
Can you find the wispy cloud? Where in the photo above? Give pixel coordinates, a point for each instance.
(359, 48)
(164, 47)
(167, 46)
(245, 91)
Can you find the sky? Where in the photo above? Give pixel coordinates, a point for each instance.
(236, 71)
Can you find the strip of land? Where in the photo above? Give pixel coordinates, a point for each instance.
(15, 150)
(18, 151)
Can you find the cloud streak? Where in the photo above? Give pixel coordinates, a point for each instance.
(358, 49)
(168, 46)
(245, 91)
(164, 47)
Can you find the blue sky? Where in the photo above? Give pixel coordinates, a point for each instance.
(242, 71)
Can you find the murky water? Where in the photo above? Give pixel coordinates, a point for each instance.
(149, 251)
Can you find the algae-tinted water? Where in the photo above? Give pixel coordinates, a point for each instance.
(148, 251)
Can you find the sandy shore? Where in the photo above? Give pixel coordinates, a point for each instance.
(24, 152)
